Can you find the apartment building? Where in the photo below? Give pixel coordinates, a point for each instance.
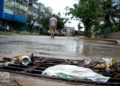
(33, 12)
(17, 13)
(13, 13)
(14, 10)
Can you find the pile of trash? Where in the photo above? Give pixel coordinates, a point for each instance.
(96, 70)
(74, 72)
(106, 66)
(23, 60)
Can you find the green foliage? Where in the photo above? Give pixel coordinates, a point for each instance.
(92, 12)
(45, 21)
(87, 12)
(60, 22)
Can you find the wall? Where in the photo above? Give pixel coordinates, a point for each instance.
(115, 35)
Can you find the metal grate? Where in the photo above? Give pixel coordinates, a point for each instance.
(39, 64)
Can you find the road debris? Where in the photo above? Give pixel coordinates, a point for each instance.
(18, 82)
(73, 72)
(34, 66)
(24, 60)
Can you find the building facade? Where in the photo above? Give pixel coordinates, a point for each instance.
(13, 13)
(20, 13)
(33, 13)
(14, 10)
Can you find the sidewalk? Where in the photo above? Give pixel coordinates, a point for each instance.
(23, 80)
(102, 40)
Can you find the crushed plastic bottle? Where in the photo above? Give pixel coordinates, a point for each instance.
(24, 60)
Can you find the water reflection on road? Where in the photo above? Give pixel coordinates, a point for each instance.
(58, 47)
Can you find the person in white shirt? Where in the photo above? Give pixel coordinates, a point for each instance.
(52, 25)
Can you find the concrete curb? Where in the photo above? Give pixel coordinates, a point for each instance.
(118, 41)
(112, 41)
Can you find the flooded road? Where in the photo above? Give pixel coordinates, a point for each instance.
(60, 47)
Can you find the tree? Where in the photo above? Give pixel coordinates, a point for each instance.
(32, 20)
(45, 21)
(86, 11)
(92, 12)
(108, 14)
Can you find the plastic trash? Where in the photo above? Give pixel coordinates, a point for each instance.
(109, 62)
(73, 72)
(87, 61)
(24, 60)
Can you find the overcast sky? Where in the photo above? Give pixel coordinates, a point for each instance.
(59, 6)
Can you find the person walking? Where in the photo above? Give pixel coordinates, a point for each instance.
(52, 25)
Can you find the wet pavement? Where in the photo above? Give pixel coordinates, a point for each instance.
(60, 47)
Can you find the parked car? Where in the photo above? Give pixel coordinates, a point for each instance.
(62, 33)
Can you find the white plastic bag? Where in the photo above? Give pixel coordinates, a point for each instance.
(73, 72)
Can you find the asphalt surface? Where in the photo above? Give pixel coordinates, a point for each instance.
(60, 47)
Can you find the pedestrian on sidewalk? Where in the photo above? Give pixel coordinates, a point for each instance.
(52, 25)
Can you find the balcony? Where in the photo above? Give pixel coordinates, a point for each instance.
(33, 14)
(35, 6)
(10, 3)
(8, 11)
(16, 5)
(30, 12)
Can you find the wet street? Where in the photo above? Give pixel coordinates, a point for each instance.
(60, 47)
